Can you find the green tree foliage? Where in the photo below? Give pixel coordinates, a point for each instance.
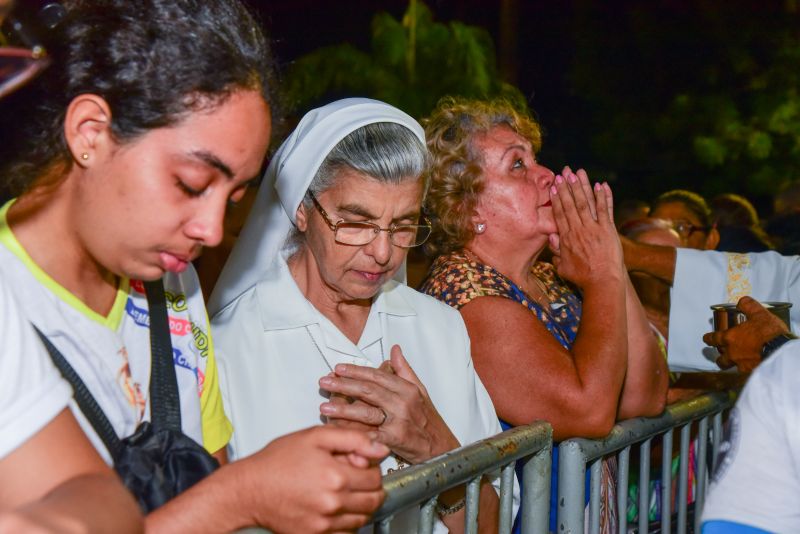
(413, 62)
(706, 96)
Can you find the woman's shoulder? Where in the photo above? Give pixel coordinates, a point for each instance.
(457, 278)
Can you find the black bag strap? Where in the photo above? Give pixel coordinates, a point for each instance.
(165, 408)
(165, 404)
(102, 426)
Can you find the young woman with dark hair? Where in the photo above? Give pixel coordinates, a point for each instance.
(153, 117)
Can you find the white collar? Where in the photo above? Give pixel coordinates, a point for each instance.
(283, 306)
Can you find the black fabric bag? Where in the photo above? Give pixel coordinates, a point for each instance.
(158, 461)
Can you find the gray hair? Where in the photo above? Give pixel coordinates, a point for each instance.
(385, 151)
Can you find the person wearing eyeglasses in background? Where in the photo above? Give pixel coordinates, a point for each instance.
(51, 478)
(690, 216)
(310, 322)
(701, 278)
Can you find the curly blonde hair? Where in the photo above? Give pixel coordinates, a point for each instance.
(456, 174)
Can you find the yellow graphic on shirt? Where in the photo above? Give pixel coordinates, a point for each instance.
(132, 390)
(200, 340)
(176, 302)
(738, 279)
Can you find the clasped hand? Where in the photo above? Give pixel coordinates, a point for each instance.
(391, 404)
(586, 249)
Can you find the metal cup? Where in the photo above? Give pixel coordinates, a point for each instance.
(727, 315)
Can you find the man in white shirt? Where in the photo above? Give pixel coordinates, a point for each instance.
(702, 278)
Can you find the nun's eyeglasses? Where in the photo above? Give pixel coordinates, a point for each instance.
(363, 233)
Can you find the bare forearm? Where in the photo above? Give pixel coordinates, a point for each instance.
(211, 505)
(645, 386)
(73, 507)
(654, 260)
(601, 347)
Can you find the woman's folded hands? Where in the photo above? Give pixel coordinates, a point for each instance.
(587, 249)
(391, 404)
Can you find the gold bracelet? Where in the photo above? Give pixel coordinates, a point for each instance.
(447, 510)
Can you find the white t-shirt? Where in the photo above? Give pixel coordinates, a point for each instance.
(704, 278)
(275, 346)
(757, 480)
(111, 354)
(32, 391)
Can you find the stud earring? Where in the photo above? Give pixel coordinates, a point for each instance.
(84, 156)
(480, 228)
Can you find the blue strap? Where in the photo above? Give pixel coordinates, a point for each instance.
(729, 527)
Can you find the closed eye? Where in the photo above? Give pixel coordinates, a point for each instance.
(187, 190)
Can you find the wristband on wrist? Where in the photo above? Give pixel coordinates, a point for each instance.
(775, 343)
(447, 510)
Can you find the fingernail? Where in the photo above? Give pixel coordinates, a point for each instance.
(341, 369)
(327, 409)
(553, 190)
(571, 178)
(374, 437)
(326, 381)
(597, 186)
(559, 179)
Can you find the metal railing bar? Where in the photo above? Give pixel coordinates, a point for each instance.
(623, 465)
(700, 472)
(427, 516)
(644, 486)
(571, 477)
(637, 429)
(408, 486)
(506, 520)
(594, 496)
(473, 504)
(683, 478)
(536, 471)
(666, 481)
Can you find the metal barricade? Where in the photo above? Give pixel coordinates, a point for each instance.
(421, 484)
(575, 454)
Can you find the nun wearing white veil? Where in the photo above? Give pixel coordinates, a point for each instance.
(312, 325)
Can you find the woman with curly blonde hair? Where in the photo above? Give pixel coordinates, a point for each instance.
(568, 343)
(579, 359)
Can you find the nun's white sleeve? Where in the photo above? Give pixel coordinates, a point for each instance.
(704, 278)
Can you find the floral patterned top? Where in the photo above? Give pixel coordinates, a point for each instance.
(460, 277)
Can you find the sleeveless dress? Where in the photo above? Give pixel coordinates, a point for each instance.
(460, 277)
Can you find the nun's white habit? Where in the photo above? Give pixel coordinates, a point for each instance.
(273, 345)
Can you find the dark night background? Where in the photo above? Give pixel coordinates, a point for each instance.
(650, 95)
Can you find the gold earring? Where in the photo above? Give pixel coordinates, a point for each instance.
(84, 156)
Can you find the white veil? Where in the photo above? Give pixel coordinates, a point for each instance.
(285, 184)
